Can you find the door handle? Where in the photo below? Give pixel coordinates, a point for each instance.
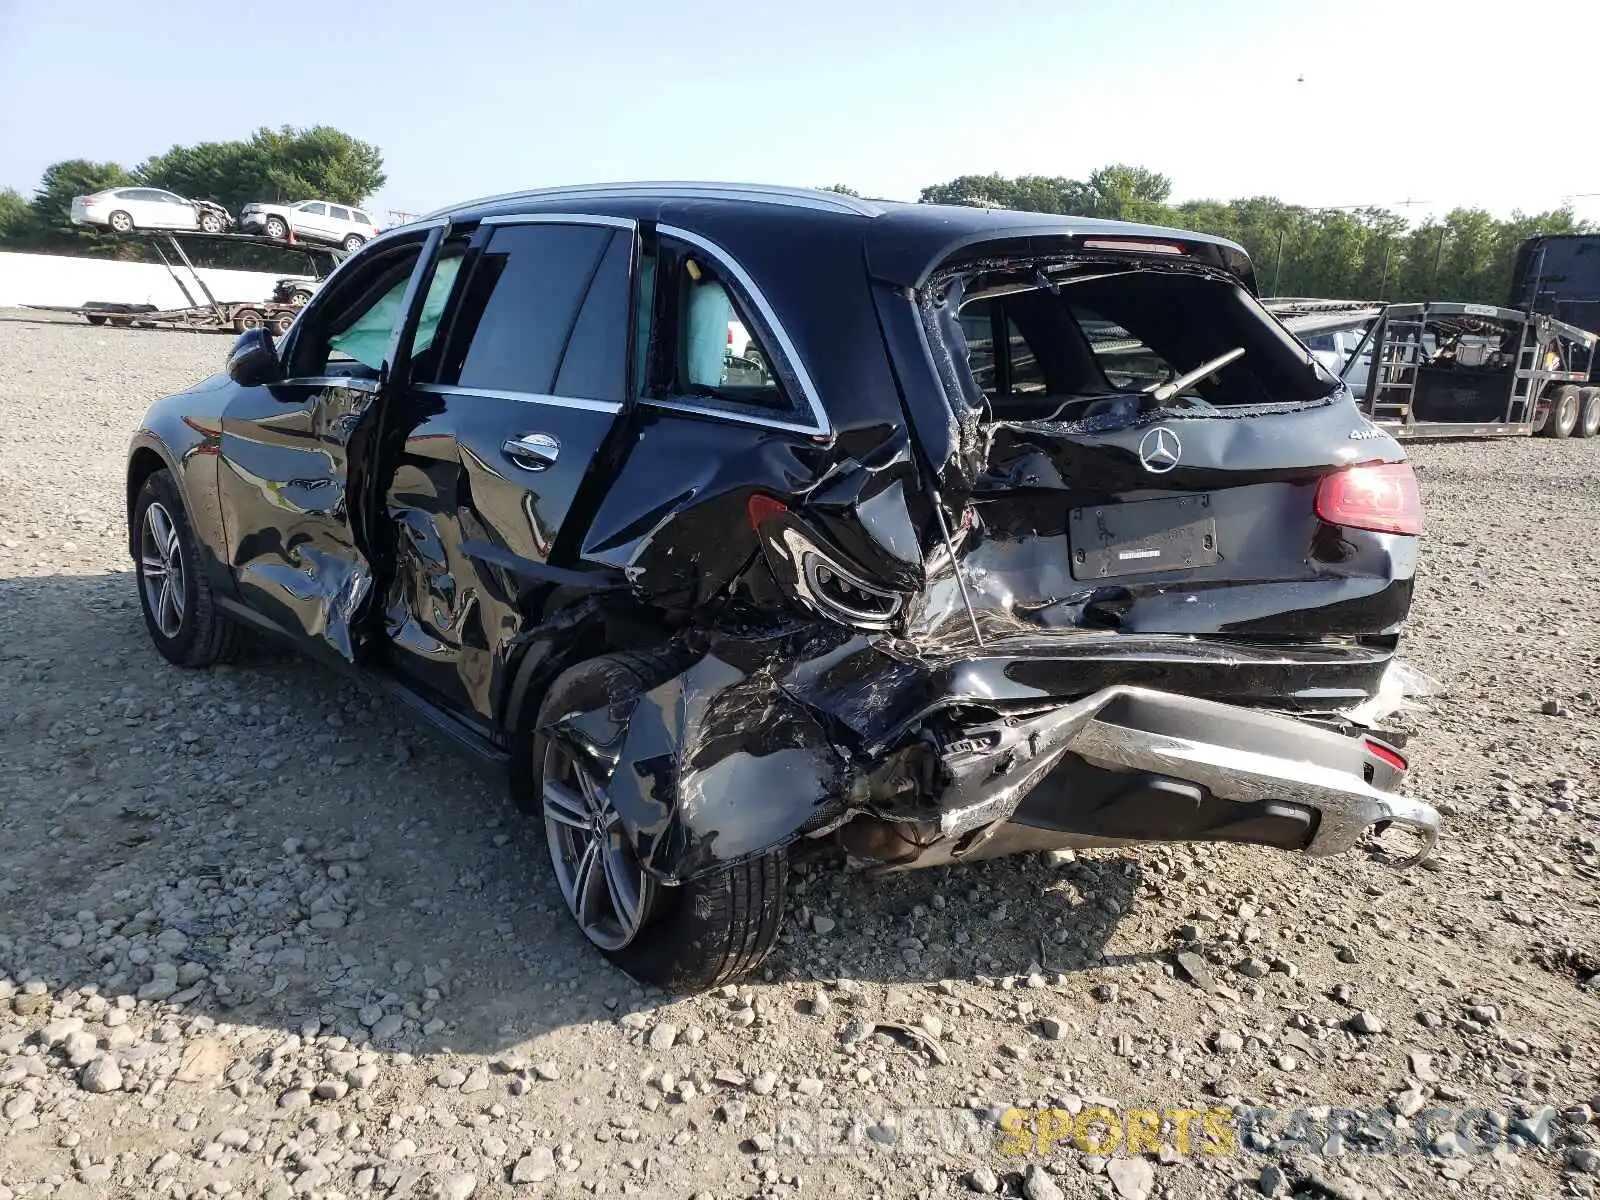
(532, 451)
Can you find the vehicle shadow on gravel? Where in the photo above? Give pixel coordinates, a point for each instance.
(270, 845)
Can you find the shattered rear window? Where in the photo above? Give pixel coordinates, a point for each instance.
(1039, 344)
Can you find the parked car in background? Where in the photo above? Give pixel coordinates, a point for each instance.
(730, 521)
(127, 208)
(295, 289)
(312, 220)
(1335, 348)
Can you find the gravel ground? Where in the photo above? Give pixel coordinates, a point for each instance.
(257, 937)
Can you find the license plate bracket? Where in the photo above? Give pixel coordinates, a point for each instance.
(1142, 536)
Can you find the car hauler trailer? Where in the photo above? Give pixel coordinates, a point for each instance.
(1446, 369)
(204, 311)
(1456, 370)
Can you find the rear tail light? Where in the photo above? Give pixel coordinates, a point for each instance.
(761, 506)
(1382, 497)
(1380, 751)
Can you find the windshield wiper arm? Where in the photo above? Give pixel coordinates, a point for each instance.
(1163, 392)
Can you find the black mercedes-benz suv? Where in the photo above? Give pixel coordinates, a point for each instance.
(733, 519)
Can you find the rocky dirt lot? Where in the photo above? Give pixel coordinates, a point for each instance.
(258, 937)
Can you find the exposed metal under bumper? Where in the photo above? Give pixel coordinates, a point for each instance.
(1237, 754)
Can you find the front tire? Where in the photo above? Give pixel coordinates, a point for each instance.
(179, 605)
(697, 935)
(1588, 425)
(210, 222)
(277, 227)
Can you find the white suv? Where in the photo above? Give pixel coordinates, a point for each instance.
(313, 220)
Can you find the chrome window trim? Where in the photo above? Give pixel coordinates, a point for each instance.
(728, 414)
(578, 402)
(354, 382)
(808, 389)
(403, 231)
(609, 222)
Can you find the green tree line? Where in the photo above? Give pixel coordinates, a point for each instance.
(1366, 253)
(1363, 253)
(271, 164)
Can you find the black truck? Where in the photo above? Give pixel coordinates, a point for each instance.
(1559, 274)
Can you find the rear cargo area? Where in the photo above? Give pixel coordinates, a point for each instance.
(1123, 488)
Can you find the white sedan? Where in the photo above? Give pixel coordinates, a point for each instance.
(311, 220)
(128, 208)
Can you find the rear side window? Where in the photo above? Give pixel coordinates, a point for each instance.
(361, 216)
(1126, 361)
(1014, 371)
(339, 214)
(523, 324)
(705, 346)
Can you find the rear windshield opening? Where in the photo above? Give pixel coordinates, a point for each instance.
(1039, 347)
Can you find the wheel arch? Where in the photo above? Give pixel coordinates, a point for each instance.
(565, 637)
(151, 452)
(713, 764)
(144, 460)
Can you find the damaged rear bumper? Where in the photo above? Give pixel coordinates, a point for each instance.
(1128, 764)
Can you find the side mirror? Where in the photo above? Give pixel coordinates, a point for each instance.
(253, 361)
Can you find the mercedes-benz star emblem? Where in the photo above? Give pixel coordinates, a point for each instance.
(1160, 450)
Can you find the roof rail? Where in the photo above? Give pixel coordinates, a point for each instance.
(813, 198)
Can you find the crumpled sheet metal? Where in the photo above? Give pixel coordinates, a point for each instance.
(710, 766)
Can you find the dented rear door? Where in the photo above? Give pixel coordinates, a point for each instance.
(492, 449)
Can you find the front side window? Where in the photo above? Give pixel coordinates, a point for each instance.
(315, 209)
(349, 330)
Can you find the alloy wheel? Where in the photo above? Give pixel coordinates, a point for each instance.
(161, 569)
(605, 887)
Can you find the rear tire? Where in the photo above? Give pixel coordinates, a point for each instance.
(281, 323)
(697, 935)
(1565, 404)
(175, 595)
(120, 222)
(1588, 425)
(96, 318)
(246, 318)
(353, 243)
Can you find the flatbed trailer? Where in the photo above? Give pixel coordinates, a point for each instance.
(1449, 369)
(205, 311)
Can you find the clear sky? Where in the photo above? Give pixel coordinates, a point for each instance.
(1440, 102)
